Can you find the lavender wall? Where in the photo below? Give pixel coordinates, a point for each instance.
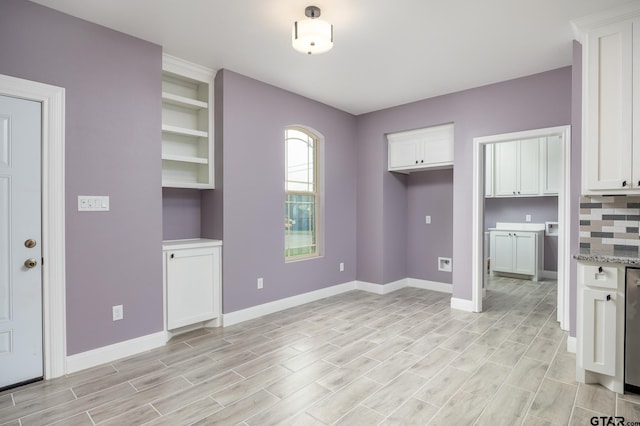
(576, 179)
(537, 101)
(180, 213)
(254, 116)
(429, 193)
(541, 209)
(113, 107)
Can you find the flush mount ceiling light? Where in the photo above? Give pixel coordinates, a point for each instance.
(312, 35)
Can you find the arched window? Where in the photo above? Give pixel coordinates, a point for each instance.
(301, 201)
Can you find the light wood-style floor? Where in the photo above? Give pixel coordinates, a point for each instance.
(353, 359)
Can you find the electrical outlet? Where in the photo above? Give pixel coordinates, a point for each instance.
(118, 312)
(527, 218)
(341, 266)
(427, 220)
(260, 283)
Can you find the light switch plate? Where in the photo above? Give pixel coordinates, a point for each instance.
(93, 203)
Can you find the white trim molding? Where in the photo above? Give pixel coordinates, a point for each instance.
(52, 99)
(286, 303)
(572, 344)
(462, 304)
(381, 288)
(430, 285)
(116, 351)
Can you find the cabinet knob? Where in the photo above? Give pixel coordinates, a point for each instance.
(422, 161)
(624, 183)
(173, 255)
(416, 161)
(608, 297)
(600, 269)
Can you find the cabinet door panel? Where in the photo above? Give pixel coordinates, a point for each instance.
(404, 153)
(505, 166)
(190, 290)
(599, 335)
(488, 170)
(529, 170)
(501, 251)
(552, 147)
(609, 105)
(524, 247)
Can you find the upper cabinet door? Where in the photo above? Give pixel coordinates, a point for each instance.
(488, 170)
(506, 169)
(551, 155)
(608, 102)
(405, 153)
(529, 167)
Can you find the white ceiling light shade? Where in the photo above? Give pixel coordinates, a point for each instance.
(312, 35)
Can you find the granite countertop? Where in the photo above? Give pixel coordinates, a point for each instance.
(619, 256)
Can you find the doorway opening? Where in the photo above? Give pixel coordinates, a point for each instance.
(563, 133)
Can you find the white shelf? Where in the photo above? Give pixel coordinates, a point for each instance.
(185, 159)
(184, 102)
(184, 131)
(187, 124)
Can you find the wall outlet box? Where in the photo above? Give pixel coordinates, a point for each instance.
(527, 218)
(427, 220)
(444, 264)
(260, 283)
(118, 312)
(341, 266)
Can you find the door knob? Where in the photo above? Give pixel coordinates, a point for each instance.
(30, 263)
(30, 243)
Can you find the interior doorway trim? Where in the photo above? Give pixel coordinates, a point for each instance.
(52, 99)
(564, 216)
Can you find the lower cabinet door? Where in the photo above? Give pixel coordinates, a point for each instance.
(524, 247)
(190, 288)
(599, 335)
(501, 251)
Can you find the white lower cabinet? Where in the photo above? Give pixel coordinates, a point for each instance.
(192, 279)
(600, 325)
(517, 252)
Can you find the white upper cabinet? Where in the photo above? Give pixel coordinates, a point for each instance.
(187, 124)
(611, 102)
(422, 149)
(524, 168)
(517, 168)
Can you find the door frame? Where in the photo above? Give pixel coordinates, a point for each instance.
(564, 214)
(52, 99)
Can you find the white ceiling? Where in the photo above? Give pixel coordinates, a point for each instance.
(386, 52)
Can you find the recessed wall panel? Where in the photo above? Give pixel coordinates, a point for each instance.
(5, 253)
(4, 142)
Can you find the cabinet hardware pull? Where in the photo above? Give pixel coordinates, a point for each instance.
(416, 161)
(422, 161)
(172, 255)
(624, 183)
(599, 269)
(608, 297)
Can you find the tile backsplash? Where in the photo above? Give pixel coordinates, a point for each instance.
(609, 223)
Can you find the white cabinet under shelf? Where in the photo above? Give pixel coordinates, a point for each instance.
(600, 325)
(517, 252)
(422, 149)
(187, 124)
(192, 280)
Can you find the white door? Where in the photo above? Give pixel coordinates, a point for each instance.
(20, 217)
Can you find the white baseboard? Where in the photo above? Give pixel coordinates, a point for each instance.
(430, 285)
(571, 344)
(462, 304)
(381, 288)
(116, 351)
(550, 275)
(282, 304)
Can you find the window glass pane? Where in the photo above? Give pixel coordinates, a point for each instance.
(300, 162)
(300, 222)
